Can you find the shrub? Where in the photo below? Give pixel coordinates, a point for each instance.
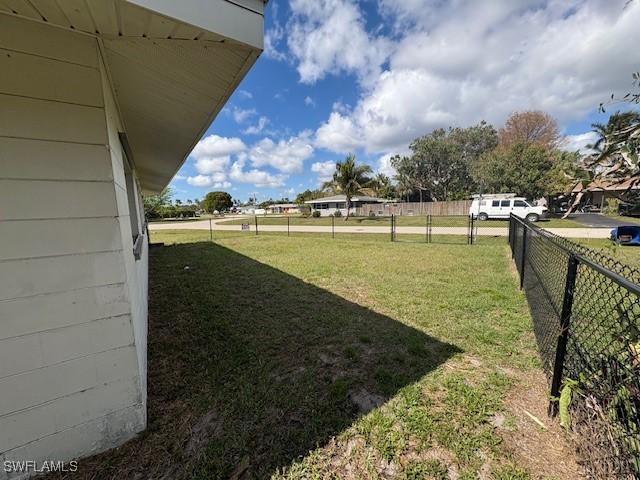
(337, 213)
(372, 213)
(316, 213)
(611, 207)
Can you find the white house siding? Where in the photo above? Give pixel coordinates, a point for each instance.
(72, 296)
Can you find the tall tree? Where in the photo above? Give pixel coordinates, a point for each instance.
(153, 203)
(618, 158)
(349, 179)
(618, 121)
(531, 127)
(308, 195)
(521, 169)
(217, 201)
(440, 161)
(382, 187)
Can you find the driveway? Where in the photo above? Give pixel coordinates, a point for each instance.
(597, 220)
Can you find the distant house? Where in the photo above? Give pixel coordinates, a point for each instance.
(328, 205)
(100, 102)
(284, 209)
(598, 192)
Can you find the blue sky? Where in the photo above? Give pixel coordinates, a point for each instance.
(368, 76)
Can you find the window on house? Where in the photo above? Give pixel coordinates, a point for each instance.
(135, 215)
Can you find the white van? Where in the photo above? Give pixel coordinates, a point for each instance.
(485, 207)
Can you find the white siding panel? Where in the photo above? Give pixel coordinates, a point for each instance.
(45, 384)
(22, 278)
(41, 119)
(67, 412)
(40, 238)
(19, 354)
(47, 41)
(89, 438)
(28, 315)
(24, 426)
(53, 160)
(42, 199)
(71, 342)
(33, 76)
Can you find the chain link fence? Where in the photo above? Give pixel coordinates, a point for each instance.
(450, 229)
(586, 314)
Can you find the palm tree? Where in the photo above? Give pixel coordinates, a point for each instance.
(349, 179)
(619, 121)
(380, 185)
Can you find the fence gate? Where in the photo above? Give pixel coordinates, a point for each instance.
(453, 229)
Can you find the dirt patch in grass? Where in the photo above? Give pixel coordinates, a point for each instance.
(545, 452)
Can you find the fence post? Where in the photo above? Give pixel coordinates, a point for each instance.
(210, 231)
(523, 258)
(565, 319)
(288, 226)
(430, 224)
(392, 220)
(255, 217)
(470, 226)
(510, 233)
(333, 227)
(426, 229)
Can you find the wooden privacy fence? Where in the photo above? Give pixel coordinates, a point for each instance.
(455, 207)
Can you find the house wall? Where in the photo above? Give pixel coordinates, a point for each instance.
(72, 297)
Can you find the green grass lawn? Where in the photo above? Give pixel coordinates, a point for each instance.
(625, 254)
(313, 358)
(626, 219)
(401, 221)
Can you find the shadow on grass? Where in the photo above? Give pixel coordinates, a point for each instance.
(250, 368)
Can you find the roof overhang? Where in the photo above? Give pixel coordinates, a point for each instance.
(173, 64)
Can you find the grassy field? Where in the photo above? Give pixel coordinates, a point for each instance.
(313, 358)
(625, 254)
(401, 221)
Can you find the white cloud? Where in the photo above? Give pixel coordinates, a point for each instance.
(324, 170)
(310, 102)
(241, 115)
(284, 155)
(179, 177)
(258, 127)
(245, 94)
(216, 181)
(456, 63)
(385, 167)
(329, 36)
(259, 178)
(579, 142)
(208, 165)
(215, 146)
(339, 134)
